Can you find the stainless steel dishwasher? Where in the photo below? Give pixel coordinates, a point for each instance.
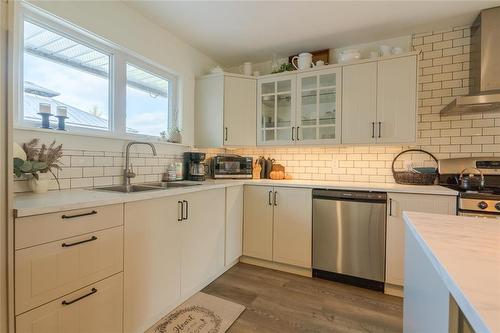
(349, 237)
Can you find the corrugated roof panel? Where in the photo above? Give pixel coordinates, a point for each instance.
(50, 45)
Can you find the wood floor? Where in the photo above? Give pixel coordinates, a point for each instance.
(281, 302)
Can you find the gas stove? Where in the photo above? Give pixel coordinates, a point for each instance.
(476, 201)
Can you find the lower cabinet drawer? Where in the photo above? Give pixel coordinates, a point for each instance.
(46, 272)
(97, 308)
(40, 229)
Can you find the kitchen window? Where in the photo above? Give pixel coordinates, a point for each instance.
(62, 65)
(148, 102)
(62, 72)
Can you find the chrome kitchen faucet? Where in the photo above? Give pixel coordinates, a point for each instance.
(128, 173)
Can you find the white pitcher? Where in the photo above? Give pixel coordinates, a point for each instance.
(304, 61)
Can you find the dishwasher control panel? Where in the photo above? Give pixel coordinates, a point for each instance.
(350, 195)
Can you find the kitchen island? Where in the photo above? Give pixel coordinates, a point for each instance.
(452, 273)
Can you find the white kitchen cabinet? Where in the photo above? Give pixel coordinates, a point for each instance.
(48, 271)
(234, 224)
(318, 116)
(304, 108)
(225, 111)
(397, 203)
(152, 267)
(202, 239)
(379, 101)
(258, 222)
(277, 224)
(93, 309)
(174, 246)
(397, 100)
(359, 103)
(276, 110)
(292, 230)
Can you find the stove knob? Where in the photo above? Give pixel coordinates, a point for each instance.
(497, 206)
(482, 205)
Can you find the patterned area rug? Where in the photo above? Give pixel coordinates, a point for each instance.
(201, 313)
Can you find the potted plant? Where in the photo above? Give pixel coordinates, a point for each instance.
(37, 163)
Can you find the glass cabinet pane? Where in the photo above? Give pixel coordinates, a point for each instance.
(268, 106)
(327, 106)
(284, 110)
(284, 134)
(309, 83)
(317, 106)
(327, 132)
(284, 86)
(307, 133)
(269, 135)
(327, 80)
(268, 88)
(308, 107)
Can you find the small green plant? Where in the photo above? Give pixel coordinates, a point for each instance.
(28, 167)
(285, 67)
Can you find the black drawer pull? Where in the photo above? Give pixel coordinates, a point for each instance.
(180, 216)
(187, 209)
(93, 291)
(78, 215)
(93, 238)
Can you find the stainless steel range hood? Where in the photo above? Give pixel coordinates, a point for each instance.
(484, 72)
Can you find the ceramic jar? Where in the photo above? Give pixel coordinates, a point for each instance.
(40, 185)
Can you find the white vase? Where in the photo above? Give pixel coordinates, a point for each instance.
(40, 185)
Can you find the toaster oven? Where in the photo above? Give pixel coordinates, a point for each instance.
(231, 167)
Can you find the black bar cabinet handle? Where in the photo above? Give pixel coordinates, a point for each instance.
(225, 133)
(92, 291)
(379, 129)
(187, 209)
(390, 207)
(269, 198)
(293, 130)
(298, 133)
(78, 215)
(181, 206)
(91, 239)
(276, 198)
(373, 130)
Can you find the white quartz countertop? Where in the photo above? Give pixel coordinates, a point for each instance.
(26, 204)
(465, 251)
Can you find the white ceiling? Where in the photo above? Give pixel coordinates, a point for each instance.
(235, 31)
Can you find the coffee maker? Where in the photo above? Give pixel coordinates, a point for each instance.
(194, 167)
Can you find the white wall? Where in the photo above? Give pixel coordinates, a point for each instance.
(4, 174)
(120, 24)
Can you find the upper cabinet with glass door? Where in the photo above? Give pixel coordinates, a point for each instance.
(318, 107)
(276, 110)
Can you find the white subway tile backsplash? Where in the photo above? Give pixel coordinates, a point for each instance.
(82, 182)
(93, 172)
(82, 161)
(103, 161)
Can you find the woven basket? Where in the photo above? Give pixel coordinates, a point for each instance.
(413, 178)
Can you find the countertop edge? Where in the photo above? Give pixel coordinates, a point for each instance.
(473, 316)
(109, 198)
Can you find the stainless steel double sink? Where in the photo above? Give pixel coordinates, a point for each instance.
(156, 186)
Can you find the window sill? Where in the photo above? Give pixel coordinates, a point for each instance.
(104, 135)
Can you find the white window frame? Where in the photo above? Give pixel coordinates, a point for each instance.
(172, 88)
(119, 57)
